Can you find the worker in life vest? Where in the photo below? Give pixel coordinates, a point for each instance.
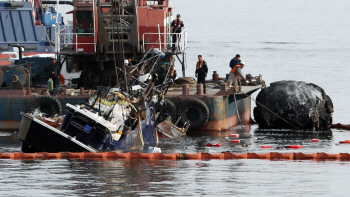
(176, 26)
(173, 73)
(235, 61)
(201, 71)
(236, 74)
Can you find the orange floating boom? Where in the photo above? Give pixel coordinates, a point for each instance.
(174, 156)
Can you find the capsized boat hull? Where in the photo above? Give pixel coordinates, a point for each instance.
(45, 138)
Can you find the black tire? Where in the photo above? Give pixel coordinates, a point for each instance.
(168, 109)
(329, 105)
(195, 111)
(47, 104)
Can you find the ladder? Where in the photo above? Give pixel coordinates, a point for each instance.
(119, 18)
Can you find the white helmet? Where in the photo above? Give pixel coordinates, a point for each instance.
(242, 63)
(126, 61)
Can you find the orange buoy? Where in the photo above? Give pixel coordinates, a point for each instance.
(264, 146)
(234, 135)
(315, 140)
(345, 142)
(294, 146)
(236, 141)
(213, 145)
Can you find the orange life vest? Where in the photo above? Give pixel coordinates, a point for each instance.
(199, 64)
(234, 70)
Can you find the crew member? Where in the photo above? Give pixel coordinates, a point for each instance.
(176, 28)
(236, 74)
(201, 71)
(173, 73)
(235, 61)
(54, 72)
(131, 70)
(162, 72)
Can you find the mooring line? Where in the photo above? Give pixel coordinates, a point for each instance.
(270, 111)
(239, 117)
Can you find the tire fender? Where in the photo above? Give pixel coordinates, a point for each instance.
(194, 111)
(46, 104)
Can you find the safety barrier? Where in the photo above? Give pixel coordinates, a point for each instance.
(175, 156)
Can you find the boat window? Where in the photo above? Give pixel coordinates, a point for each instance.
(84, 23)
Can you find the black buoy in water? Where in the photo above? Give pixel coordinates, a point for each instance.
(293, 105)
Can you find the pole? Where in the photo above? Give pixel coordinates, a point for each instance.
(169, 29)
(160, 40)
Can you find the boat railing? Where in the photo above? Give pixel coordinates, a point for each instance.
(73, 37)
(154, 3)
(180, 45)
(76, 43)
(84, 1)
(15, 0)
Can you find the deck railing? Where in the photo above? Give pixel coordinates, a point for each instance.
(181, 40)
(60, 34)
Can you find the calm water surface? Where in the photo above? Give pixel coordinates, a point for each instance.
(282, 40)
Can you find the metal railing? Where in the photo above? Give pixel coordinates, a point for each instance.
(76, 43)
(181, 40)
(59, 33)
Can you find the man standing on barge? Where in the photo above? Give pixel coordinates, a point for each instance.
(201, 71)
(235, 61)
(54, 72)
(236, 75)
(176, 26)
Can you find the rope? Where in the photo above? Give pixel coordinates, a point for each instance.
(271, 111)
(239, 117)
(120, 95)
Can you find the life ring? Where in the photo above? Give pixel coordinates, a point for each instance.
(47, 104)
(194, 111)
(167, 109)
(63, 80)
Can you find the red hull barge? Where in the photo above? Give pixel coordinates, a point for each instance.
(221, 103)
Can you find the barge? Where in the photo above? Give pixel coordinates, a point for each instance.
(220, 110)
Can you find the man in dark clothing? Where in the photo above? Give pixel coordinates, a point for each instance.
(176, 28)
(162, 72)
(54, 72)
(201, 71)
(235, 61)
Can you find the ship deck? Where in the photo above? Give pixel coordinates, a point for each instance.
(212, 90)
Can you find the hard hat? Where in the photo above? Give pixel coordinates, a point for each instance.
(126, 61)
(242, 63)
(165, 63)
